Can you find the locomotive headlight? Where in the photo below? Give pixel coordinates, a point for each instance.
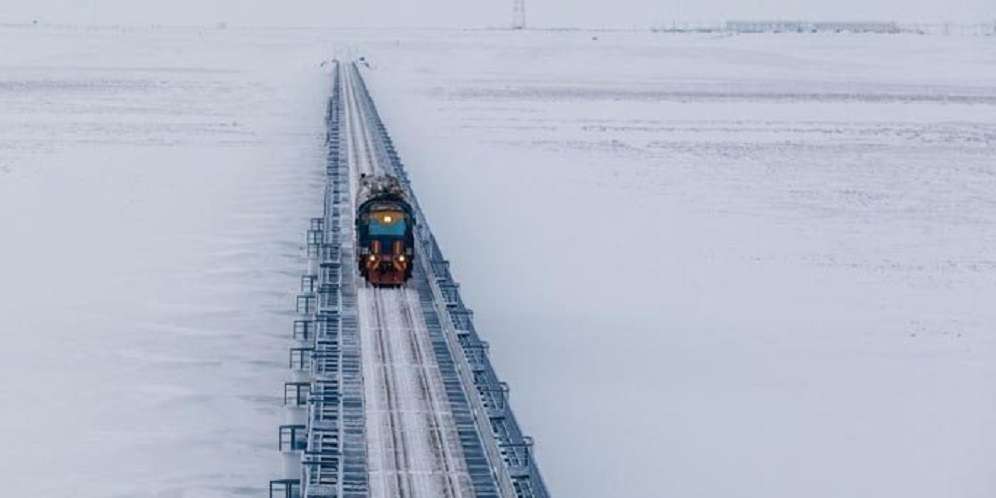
(387, 219)
(373, 257)
(401, 258)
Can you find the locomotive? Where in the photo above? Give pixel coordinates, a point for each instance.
(385, 223)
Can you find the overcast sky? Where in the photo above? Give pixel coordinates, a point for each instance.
(614, 13)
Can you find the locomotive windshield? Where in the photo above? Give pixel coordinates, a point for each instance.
(389, 223)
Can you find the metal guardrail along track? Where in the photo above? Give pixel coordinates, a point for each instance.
(324, 442)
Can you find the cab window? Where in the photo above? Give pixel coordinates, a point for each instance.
(390, 223)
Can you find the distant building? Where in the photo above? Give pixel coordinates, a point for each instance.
(768, 26)
(857, 27)
(690, 27)
(810, 27)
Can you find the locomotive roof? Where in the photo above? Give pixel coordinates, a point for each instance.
(383, 188)
(378, 185)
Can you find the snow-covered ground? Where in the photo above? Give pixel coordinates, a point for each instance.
(154, 192)
(758, 266)
(708, 266)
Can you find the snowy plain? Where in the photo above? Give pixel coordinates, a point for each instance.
(708, 266)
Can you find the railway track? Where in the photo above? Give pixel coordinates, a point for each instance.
(400, 397)
(411, 440)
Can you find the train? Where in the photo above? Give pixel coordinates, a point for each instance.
(385, 231)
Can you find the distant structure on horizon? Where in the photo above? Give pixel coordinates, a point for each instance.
(781, 26)
(810, 27)
(518, 14)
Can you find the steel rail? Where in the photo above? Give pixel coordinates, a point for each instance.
(402, 464)
(453, 490)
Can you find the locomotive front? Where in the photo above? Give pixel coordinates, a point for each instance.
(384, 232)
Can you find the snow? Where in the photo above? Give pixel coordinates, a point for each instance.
(155, 196)
(721, 266)
(707, 266)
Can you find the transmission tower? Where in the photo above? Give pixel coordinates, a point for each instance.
(518, 14)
